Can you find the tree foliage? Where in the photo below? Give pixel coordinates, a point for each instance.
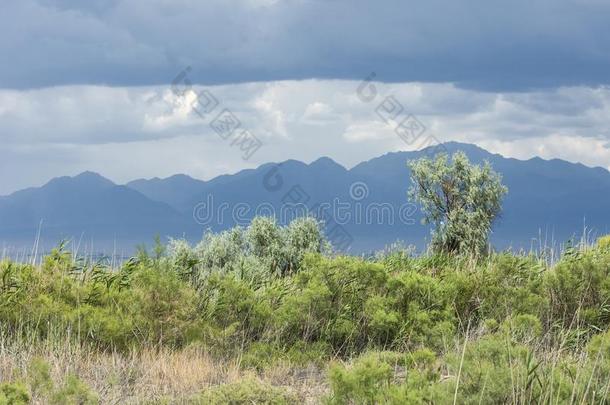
(459, 199)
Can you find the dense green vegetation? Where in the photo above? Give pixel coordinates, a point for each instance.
(393, 328)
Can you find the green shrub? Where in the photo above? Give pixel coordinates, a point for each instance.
(162, 307)
(263, 355)
(40, 386)
(597, 374)
(74, 392)
(523, 328)
(246, 392)
(14, 394)
(365, 382)
(327, 302)
(385, 378)
(603, 243)
(39, 377)
(488, 371)
(427, 317)
(233, 313)
(578, 289)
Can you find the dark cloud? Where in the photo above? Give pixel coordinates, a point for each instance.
(479, 44)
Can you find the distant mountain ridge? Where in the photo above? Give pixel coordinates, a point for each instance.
(550, 197)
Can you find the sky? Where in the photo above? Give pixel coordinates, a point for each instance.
(88, 85)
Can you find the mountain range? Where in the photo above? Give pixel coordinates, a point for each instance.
(364, 208)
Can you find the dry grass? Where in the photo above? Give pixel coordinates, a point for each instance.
(148, 375)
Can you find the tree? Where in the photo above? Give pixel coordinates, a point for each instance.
(459, 199)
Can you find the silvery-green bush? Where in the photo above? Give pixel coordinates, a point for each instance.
(459, 199)
(263, 248)
(302, 236)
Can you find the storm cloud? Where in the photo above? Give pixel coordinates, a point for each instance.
(505, 46)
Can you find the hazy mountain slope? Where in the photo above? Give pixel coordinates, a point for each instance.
(87, 205)
(175, 191)
(553, 198)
